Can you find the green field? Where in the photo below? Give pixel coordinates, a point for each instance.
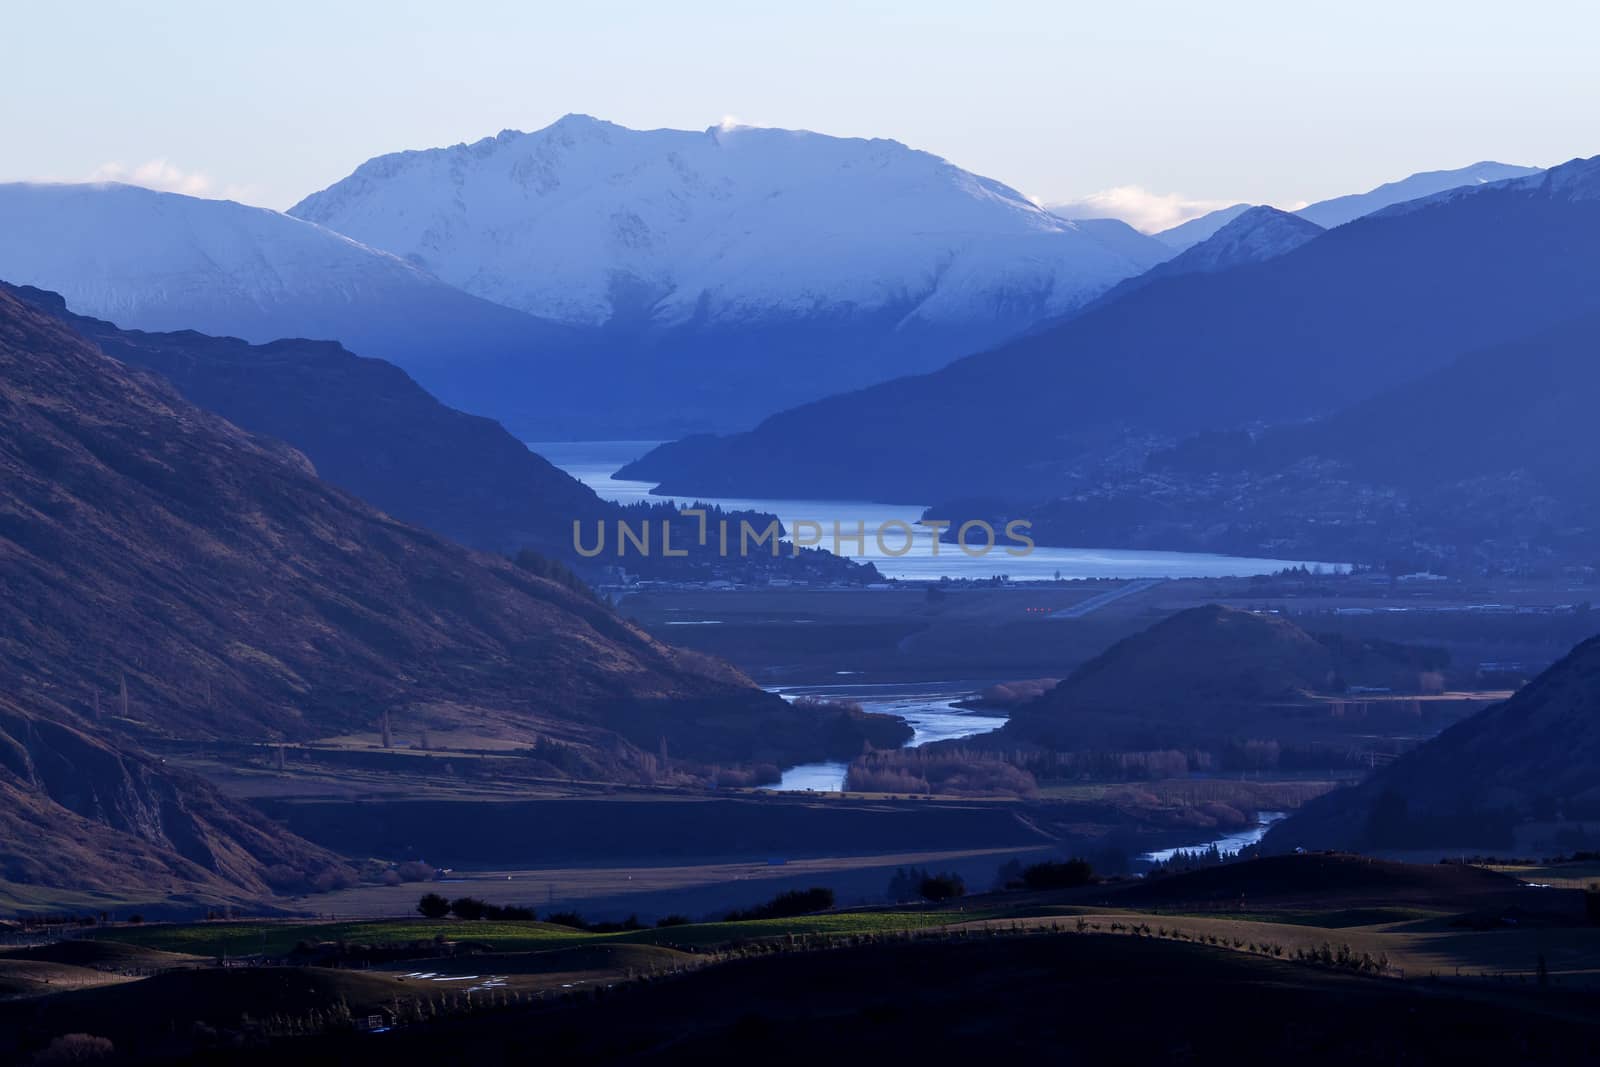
(265, 938)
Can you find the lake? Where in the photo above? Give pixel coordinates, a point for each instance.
(594, 462)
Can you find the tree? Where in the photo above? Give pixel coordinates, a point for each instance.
(467, 908)
(1068, 875)
(433, 906)
(942, 887)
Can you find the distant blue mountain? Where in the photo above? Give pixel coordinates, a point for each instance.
(1360, 309)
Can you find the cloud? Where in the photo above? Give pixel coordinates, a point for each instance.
(1137, 206)
(156, 174)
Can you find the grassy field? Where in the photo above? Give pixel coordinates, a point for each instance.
(275, 939)
(1415, 941)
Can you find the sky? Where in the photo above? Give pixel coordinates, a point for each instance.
(1150, 111)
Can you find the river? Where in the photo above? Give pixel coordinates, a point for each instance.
(925, 706)
(594, 462)
(1228, 843)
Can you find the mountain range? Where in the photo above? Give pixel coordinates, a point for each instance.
(1342, 209)
(1360, 309)
(587, 280)
(735, 270)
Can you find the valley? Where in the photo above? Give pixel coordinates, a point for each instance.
(1110, 577)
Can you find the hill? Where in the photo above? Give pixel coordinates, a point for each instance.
(1518, 774)
(173, 577)
(1196, 676)
(367, 427)
(97, 816)
(1487, 461)
(1363, 308)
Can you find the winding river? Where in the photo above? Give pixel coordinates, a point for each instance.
(927, 707)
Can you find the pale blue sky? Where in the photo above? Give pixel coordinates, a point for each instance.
(1220, 101)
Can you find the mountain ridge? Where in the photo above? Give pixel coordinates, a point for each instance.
(1361, 308)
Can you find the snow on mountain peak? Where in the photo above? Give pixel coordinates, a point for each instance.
(586, 221)
(150, 247)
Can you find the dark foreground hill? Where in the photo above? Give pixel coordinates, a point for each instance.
(167, 575)
(1527, 764)
(1042, 999)
(1195, 676)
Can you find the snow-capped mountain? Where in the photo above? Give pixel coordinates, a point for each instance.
(162, 261)
(152, 260)
(590, 223)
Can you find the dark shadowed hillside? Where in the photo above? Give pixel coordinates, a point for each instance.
(1521, 770)
(1197, 675)
(368, 427)
(1492, 458)
(152, 549)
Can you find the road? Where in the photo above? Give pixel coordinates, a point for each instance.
(1100, 600)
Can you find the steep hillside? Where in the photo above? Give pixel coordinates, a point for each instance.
(81, 813)
(1522, 764)
(152, 545)
(367, 427)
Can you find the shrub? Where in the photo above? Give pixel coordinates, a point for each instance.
(433, 906)
(942, 887)
(415, 871)
(76, 1048)
(786, 905)
(467, 908)
(673, 920)
(1058, 875)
